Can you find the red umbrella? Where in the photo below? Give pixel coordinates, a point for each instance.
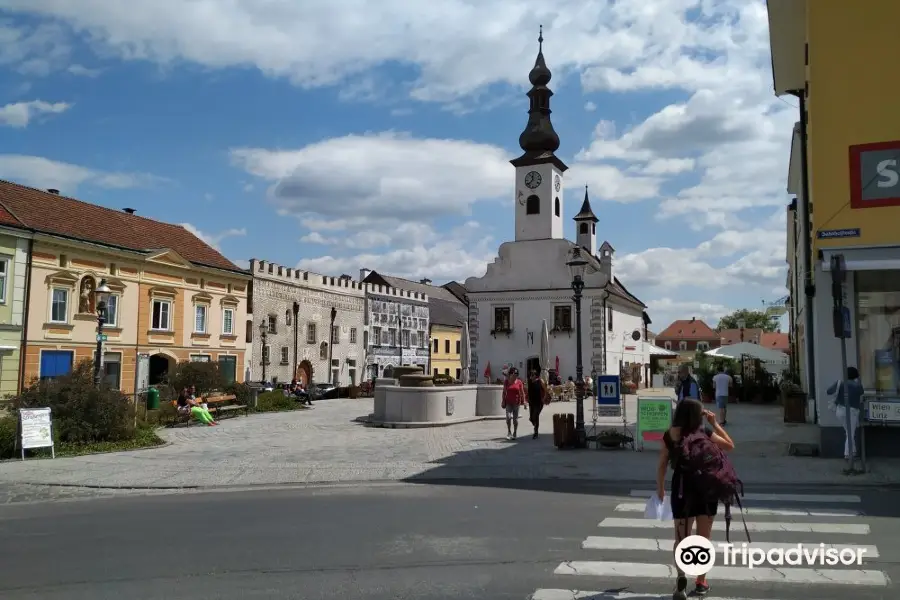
(487, 371)
(557, 366)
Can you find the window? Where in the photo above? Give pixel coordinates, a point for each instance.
(56, 363)
(609, 318)
(682, 345)
(405, 335)
(59, 306)
(447, 372)
(353, 335)
(435, 372)
(112, 369)
(335, 376)
(376, 336)
(414, 342)
(204, 358)
(532, 205)
(668, 346)
(273, 324)
(112, 311)
(556, 210)
(562, 318)
(392, 334)
(878, 330)
(582, 228)
(458, 347)
(423, 343)
(228, 321)
(200, 318)
(161, 319)
(502, 318)
(436, 343)
(703, 346)
(446, 346)
(284, 355)
(311, 333)
(335, 334)
(4, 275)
(228, 368)
(288, 318)
(265, 355)
(458, 374)
(323, 351)
(594, 228)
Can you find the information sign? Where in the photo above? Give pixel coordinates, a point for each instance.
(654, 418)
(35, 429)
(609, 398)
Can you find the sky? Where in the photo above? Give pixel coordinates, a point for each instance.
(342, 134)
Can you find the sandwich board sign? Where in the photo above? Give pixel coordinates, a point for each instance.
(35, 430)
(609, 398)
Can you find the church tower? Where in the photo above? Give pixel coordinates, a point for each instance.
(539, 173)
(586, 226)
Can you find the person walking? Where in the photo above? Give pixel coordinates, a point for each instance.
(537, 397)
(723, 383)
(686, 386)
(513, 399)
(689, 503)
(854, 393)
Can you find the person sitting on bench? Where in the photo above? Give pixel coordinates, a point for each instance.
(187, 404)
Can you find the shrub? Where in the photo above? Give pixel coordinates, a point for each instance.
(8, 431)
(205, 376)
(241, 392)
(82, 412)
(442, 379)
(275, 401)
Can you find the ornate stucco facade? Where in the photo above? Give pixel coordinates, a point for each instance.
(397, 329)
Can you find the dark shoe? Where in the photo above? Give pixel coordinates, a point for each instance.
(680, 587)
(534, 437)
(700, 589)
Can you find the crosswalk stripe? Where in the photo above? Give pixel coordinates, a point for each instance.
(667, 545)
(552, 594)
(757, 574)
(817, 498)
(769, 512)
(836, 528)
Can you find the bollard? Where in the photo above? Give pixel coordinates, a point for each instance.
(254, 397)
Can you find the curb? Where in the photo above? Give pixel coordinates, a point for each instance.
(424, 424)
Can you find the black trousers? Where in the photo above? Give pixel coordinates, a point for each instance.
(534, 413)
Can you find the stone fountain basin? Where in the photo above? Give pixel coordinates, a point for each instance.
(436, 405)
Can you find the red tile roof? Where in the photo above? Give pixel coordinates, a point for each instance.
(59, 215)
(776, 341)
(688, 329)
(733, 336)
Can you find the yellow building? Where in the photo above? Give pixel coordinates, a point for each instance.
(837, 59)
(173, 297)
(446, 342)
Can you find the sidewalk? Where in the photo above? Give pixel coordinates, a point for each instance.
(327, 444)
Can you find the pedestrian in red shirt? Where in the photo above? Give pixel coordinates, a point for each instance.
(513, 398)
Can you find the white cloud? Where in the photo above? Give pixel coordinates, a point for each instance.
(215, 239)
(40, 172)
(19, 114)
(82, 71)
(590, 106)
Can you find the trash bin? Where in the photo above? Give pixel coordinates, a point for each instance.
(557, 430)
(152, 399)
(569, 435)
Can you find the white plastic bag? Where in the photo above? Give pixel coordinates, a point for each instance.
(658, 510)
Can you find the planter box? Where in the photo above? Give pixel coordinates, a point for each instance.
(794, 407)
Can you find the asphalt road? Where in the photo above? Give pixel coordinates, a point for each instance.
(385, 542)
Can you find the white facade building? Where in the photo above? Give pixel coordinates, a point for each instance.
(314, 326)
(529, 282)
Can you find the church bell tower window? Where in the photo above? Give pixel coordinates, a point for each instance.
(556, 206)
(533, 205)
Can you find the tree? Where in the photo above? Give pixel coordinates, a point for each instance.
(753, 319)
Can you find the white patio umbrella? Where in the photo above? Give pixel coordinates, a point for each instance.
(544, 357)
(465, 354)
(767, 356)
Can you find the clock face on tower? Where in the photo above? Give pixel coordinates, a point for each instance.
(557, 183)
(533, 180)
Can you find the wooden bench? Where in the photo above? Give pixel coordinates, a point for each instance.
(219, 406)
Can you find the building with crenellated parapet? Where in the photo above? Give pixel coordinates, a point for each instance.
(322, 328)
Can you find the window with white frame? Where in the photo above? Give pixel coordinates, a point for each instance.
(376, 336)
(668, 345)
(353, 335)
(161, 316)
(310, 333)
(205, 358)
(200, 313)
(273, 324)
(284, 355)
(59, 306)
(423, 341)
(392, 336)
(405, 335)
(112, 310)
(502, 318)
(682, 345)
(413, 339)
(228, 321)
(4, 275)
(704, 346)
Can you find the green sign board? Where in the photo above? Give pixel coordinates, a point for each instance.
(654, 418)
(101, 337)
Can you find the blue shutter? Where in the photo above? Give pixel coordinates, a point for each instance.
(56, 363)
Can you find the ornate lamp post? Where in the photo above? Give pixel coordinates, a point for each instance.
(577, 267)
(101, 297)
(741, 324)
(263, 334)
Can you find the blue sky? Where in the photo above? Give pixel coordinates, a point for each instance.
(343, 134)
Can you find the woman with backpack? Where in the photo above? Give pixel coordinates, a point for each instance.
(694, 496)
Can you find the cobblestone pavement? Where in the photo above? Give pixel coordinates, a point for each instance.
(327, 444)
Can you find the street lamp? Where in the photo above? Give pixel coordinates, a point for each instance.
(101, 297)
(741, 324)
(263, 334)
(577, 267)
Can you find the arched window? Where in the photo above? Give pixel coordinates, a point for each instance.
(323, 351)
(532, 205)
(583, 228)
(556, 207)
